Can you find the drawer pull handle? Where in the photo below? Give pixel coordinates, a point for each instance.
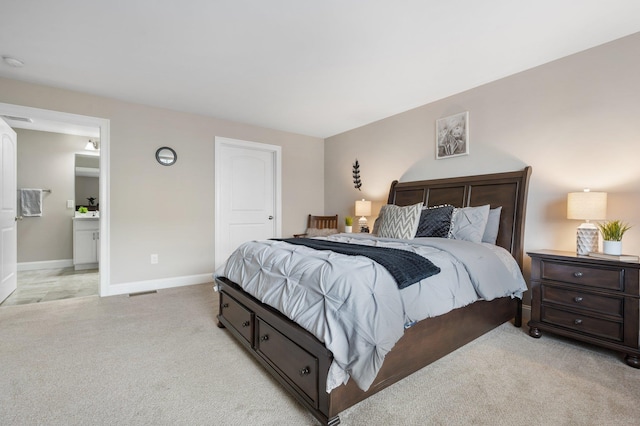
(577, 299)
(226, 305)
(264, 338)
(577, 274)
(305, 371)
(577, 322)
(246, 324)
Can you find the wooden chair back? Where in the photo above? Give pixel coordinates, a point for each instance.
(322, 222)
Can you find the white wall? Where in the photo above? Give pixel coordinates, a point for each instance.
(574, 120)
(169, 210)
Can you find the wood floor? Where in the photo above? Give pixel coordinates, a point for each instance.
(53, 284)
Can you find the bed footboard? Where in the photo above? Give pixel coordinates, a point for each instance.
(293, 356)
(300, 362)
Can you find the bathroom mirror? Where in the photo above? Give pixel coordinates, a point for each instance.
(87, 181)
(166, 156)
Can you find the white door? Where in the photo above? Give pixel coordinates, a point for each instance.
(247, 194)
(8, 216)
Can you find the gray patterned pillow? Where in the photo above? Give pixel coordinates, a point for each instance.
(399, 222)
(468, 223)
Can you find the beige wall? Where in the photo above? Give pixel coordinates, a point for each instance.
(169, 210)
(575, 120)
(46, 161)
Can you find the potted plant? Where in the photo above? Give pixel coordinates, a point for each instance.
(348, 224)
(612, 232)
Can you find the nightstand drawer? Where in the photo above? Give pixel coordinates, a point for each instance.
(583, 301)
(598, 277)
(598, 327)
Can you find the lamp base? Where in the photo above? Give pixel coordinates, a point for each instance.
(363, 225)
(586, 239)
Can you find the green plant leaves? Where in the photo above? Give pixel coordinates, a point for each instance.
(613, 230)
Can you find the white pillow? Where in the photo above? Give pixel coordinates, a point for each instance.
(399, 222)
(468, 223)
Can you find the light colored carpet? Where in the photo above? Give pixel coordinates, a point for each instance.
(160, 359)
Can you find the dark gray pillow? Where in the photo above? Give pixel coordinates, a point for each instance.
(435, 222)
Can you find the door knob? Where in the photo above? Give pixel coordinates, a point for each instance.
(270, 217)
(18, 218)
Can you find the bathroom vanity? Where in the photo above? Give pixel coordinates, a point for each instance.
(86, 241)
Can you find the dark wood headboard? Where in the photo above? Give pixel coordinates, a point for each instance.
(508, 190)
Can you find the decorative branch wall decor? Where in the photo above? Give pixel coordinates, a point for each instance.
(357, 183)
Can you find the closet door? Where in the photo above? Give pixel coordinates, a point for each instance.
(247, 194)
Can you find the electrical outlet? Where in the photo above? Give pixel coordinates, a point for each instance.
(154, 259)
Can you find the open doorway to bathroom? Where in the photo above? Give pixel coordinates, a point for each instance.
(51, 264)
(57, 157)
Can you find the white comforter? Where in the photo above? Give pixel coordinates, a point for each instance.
(353, 304)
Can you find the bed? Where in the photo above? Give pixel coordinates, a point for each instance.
(302, 363)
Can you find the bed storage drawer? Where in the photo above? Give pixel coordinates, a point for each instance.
(296, 365)
(240, 318)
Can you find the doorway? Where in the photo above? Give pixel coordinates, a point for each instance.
(55, 121)
(49, 253)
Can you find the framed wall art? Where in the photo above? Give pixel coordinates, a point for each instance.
(452, 136)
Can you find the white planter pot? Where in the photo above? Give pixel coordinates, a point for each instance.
(348, 229)
(612, 247)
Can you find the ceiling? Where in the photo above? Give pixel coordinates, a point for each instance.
(19, 122)
(315, 68)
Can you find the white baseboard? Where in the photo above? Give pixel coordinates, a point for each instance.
(45, 264)
(150, 285)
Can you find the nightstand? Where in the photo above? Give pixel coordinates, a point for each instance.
(588, 299)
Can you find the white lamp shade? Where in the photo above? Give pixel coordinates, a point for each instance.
(91, 146)
(587, 205)
(363, 208)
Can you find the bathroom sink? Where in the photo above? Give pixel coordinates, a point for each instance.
(88, 215)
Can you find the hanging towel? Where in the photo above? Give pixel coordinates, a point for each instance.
(31, 202)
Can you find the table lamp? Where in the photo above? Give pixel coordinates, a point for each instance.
(363, 208)
(587, 206)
